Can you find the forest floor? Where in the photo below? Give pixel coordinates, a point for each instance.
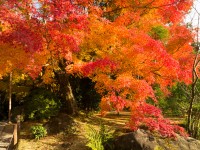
(71, 131)
(67, 133)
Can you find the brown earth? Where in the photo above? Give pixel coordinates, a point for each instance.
(67, 133)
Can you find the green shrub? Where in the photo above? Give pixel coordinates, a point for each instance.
(97, 138)
(38, 131)
(41, 104)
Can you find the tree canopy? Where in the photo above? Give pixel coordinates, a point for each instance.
(125, 46)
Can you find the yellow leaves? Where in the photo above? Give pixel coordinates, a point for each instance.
(11, 58)
(40, 58)
(4, 26)
(48, 75)
(99, 42)
(14, 58)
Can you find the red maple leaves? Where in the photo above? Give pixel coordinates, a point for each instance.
(111, 43)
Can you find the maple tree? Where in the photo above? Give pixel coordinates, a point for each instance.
(133, 47)
(44, 34)
(125, 46)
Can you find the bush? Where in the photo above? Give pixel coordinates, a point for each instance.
(41, 104)
(38, 131)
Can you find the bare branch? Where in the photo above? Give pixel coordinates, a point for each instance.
(196, 10)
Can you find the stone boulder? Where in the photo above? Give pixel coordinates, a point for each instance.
(144, 140)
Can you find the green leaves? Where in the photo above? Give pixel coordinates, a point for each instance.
(97, 138)
(159, 33)
(94, 138)
(38, 131)
(41, 104)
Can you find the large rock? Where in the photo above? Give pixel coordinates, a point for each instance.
(143, 140)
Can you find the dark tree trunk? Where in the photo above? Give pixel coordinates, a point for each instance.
(71, 102)
(65, 91)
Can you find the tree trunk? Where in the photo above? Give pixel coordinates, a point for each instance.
(65, 91)
(71, 102)
(10, 98)
(190, 108)
(191, 120)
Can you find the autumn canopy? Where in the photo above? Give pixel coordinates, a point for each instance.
(127, 47)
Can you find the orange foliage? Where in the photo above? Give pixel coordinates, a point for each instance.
(109, 41)
(120, 55)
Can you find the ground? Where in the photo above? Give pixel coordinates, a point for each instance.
(67, 133)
